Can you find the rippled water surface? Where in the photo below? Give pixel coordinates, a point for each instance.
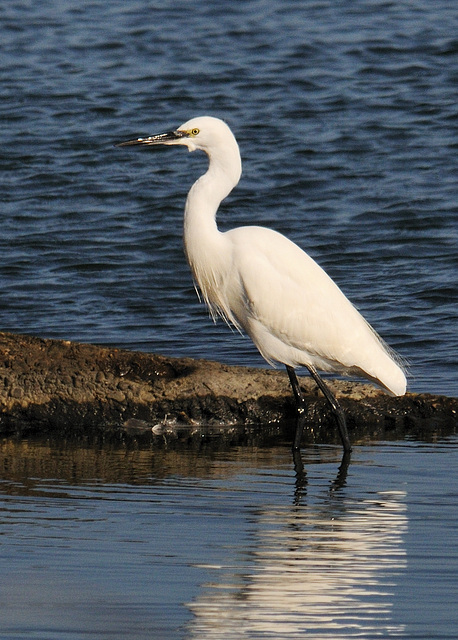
(346, 117)
(99, 542)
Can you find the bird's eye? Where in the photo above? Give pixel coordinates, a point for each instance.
(195, 132)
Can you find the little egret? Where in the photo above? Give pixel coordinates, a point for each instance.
(264, 284)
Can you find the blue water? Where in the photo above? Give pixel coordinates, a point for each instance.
(183, 545)
(346, 115)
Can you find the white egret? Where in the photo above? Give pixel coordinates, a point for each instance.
(265, 285)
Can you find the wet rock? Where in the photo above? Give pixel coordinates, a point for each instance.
(81, 389)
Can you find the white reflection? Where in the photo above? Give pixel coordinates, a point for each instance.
(325, 570)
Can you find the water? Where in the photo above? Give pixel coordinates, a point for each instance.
(346, 117)
(134, 543)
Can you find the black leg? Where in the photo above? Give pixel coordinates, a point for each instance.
(341, 478)
(300, 407)
(336, 408)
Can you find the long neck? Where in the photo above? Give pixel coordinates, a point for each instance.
(206, 248)
(204, 198)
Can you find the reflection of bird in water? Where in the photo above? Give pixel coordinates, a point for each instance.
(315, 571)
(263, 283)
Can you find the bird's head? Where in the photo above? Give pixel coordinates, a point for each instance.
(204, 132)
(208, 134)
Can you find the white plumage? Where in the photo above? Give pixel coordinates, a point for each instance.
(264, 284)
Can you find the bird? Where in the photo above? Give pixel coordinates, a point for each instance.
(265, 285)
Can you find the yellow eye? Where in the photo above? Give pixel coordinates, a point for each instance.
(195, 132)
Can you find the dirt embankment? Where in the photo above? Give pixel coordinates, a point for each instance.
(78, 389)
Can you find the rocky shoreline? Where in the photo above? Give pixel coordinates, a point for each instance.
(83, 390)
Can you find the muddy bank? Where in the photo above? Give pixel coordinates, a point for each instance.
(85, 390)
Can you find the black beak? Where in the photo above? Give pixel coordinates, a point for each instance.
(161, 138)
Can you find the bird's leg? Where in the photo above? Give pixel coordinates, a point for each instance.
(341, 478)
(300, 407)
(336, 408)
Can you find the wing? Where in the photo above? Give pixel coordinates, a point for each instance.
(293, 311)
